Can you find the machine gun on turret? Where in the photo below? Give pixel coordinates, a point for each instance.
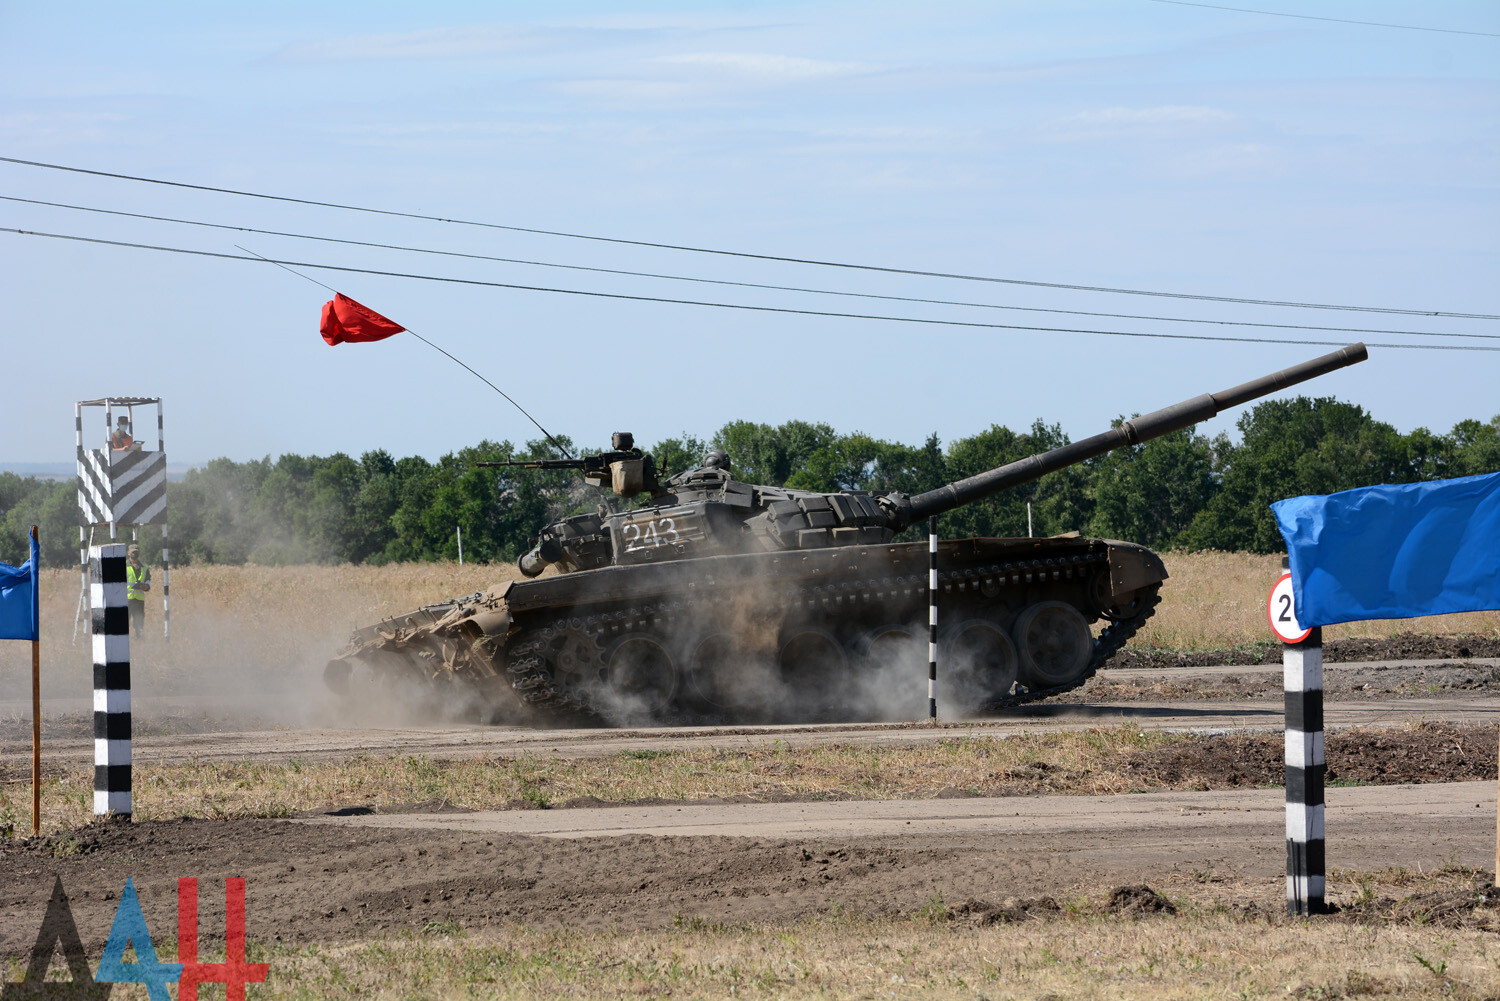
(624, 469)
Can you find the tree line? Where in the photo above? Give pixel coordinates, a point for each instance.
(1183, 490)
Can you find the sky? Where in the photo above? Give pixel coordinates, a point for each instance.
(1125, 144)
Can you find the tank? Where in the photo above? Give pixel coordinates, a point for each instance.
(716, 600)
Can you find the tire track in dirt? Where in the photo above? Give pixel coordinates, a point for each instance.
(1191, 715)
(331, 882)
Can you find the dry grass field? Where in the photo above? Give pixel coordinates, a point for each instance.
(1218, 600)
(1090, 945)
(1092, 762)
(1081, 952)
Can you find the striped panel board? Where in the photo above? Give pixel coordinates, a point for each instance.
(111, 629)
(83, 522)
(124, 487)
(1306, 867)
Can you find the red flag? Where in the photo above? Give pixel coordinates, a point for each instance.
(346, 320)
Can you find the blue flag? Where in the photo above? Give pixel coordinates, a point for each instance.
(19, 599)
(1394, 552)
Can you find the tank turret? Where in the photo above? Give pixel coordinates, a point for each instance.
(715, 599)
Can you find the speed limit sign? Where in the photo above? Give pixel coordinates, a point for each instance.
(1281, 614)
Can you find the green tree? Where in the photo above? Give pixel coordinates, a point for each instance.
(1151, 493)
(332, 525)
(909, 470)
(769, 455)
(500, 509)
(1060, 501)
(211, 515)
(1475, 447)
(1288, 448)
(466, 496)
(50, 505)
(844, 462)
(675, 455)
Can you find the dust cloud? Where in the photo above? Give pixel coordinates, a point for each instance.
(750, 653)
(247, 650)
(249, 646)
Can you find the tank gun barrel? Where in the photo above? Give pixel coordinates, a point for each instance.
(1131, 432)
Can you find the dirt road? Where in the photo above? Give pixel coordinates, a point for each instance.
(479, 741)
(346, 878)
(1366, 813)
(187, 728)
(364, 875)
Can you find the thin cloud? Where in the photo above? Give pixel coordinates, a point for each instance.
(452, 128)
(627, 91)
(1248, 159)
(60, 127)
(764, 66)
(898, 134)
(1168, 114)
(431, 43)
(1162, 122)
(707, 78)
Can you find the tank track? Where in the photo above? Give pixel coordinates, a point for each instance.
(1109, 641)
(526, 661)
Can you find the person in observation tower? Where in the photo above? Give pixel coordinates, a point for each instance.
(121, 439)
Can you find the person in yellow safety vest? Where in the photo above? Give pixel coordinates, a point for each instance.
(137, 583)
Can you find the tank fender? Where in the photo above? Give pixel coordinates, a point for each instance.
(1132, 567)
(486, 616)
(492, 621)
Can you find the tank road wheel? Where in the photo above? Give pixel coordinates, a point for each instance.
(889, 646)
(642, 675)
(815, 670)
(1054, 643)
(981, 662)
(1100, 595)
(810, 654)
(710, 664)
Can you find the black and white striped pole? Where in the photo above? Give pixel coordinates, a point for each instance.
(111, 629)
(1302, 682)
(932, 597)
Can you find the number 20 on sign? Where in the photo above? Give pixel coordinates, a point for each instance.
(1280, 612)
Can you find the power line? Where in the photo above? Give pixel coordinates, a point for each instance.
(746, 255)
(736, 284)
(1335, 20)
(729, 305)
